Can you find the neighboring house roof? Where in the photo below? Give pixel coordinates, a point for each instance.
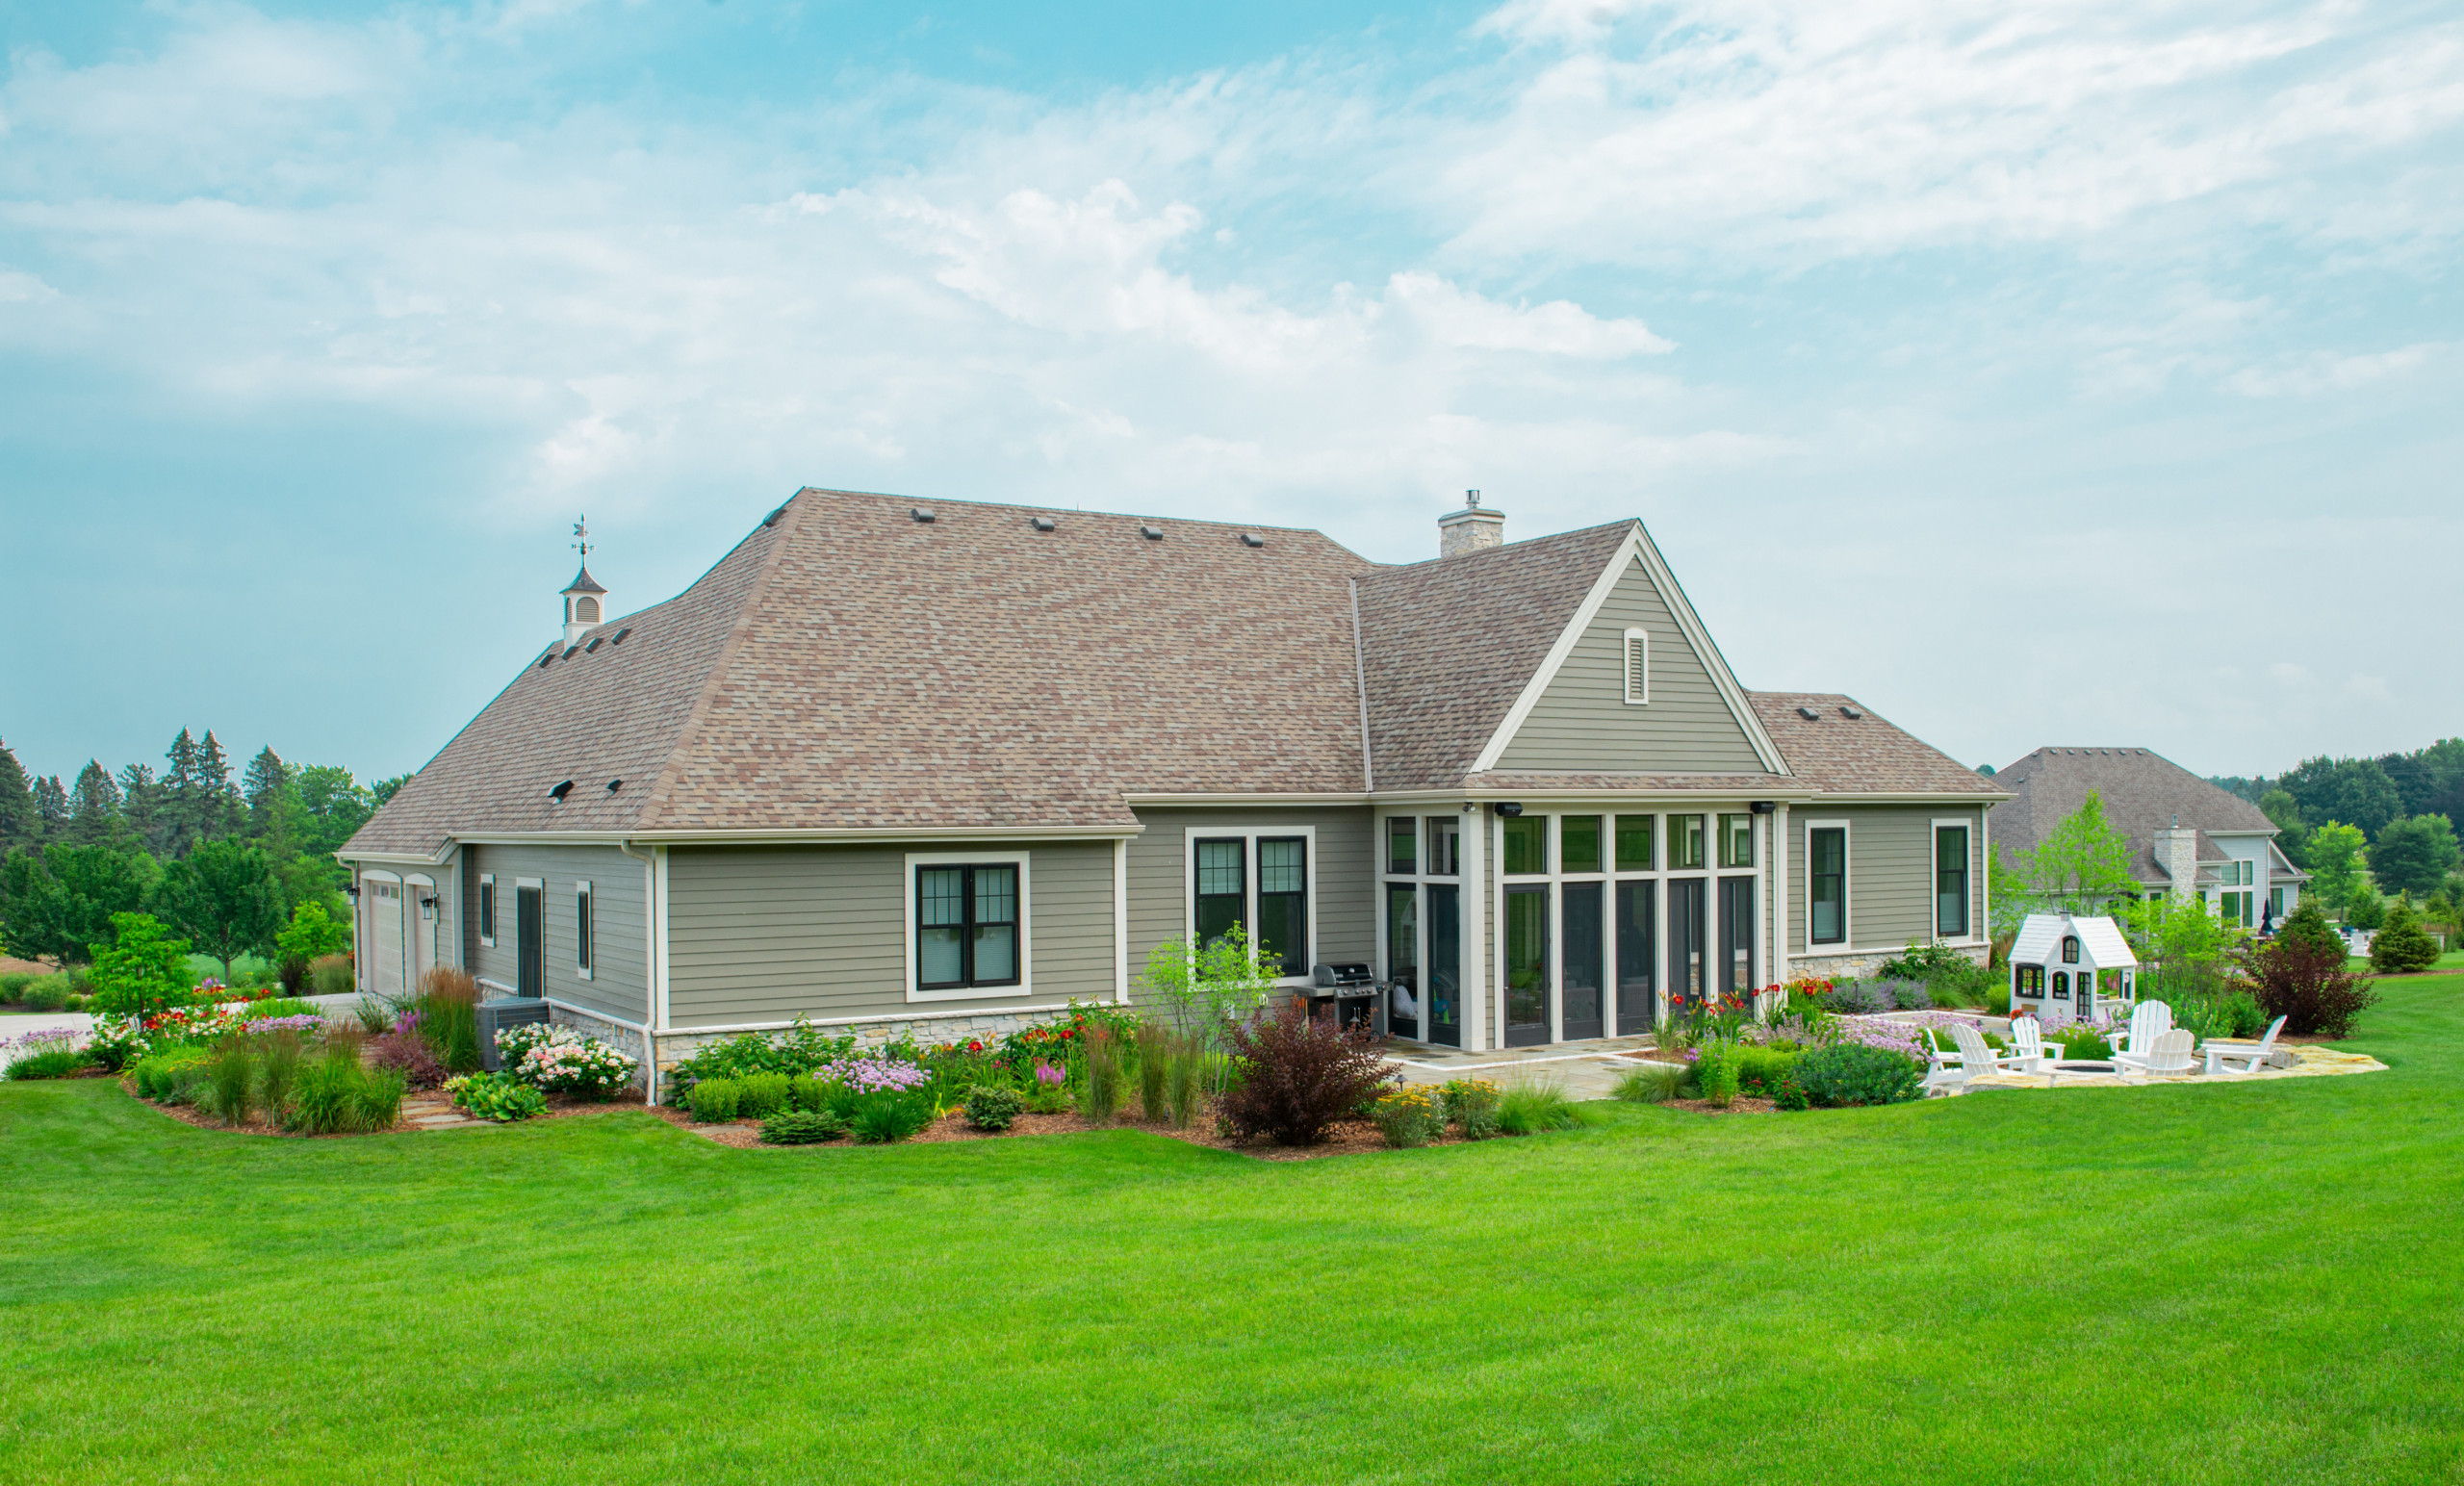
(1837, 754)
(1447, 646)
(852, 667)
(2142, 793)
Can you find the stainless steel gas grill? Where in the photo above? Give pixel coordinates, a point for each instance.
(1349, 992)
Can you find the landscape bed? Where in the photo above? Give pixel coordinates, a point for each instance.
(2247, 1282)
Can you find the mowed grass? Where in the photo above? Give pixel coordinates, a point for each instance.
(2251, 1283)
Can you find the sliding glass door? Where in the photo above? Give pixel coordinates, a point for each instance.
(1736, 937)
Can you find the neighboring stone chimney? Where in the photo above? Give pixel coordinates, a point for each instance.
(2177, 853)
(1470, 529)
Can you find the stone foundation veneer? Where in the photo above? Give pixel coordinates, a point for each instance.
(1866, 965)
(621, 1038)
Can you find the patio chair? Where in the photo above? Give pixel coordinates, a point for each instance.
(2251, 1056)
(2149, 1022)
(2169, 1053)
(1975, 1060)
(2028, 1052)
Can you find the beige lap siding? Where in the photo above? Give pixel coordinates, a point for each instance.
(1890, 874)
(771, 933)
(1341, 869)
(620, 977)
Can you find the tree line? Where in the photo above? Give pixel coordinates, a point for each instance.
(2394, 814)
(225, 862)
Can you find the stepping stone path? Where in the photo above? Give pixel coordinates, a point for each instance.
(429, 1109)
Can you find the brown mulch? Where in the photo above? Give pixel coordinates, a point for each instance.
(1741, 1105)
(1349, 1138)
(559, 1108)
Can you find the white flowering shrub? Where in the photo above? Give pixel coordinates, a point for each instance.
(560, 1061)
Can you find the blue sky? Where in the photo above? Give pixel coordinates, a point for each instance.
(2088, 374)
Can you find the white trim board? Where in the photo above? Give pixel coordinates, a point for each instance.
(1312, 864)
(1637, 548)
(1022, 859)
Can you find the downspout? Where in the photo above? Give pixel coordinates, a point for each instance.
(651, 919)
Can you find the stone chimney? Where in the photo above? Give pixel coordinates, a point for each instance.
(2177, 853)
(1470, 529)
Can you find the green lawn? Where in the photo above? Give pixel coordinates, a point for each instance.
(2245, 1284)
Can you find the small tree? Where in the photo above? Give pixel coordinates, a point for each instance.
(311, 934)
(2307, 984)
(139, 971)
(2335, 864)
(2082, 864)
(224, 897)
(2183, 946)
(2414, 854)
(1301, 1074)
(2399, 945)
(2308, 925)
(2364, 909)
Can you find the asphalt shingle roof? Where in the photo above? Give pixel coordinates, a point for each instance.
(1838, 754)
(2142, 792)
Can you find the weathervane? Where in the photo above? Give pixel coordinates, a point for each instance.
(582, 539)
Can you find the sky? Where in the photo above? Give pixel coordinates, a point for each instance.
(2061, 375)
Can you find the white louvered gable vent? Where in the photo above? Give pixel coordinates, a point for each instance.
(1638, 666)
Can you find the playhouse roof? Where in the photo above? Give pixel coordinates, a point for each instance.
(2040, 940)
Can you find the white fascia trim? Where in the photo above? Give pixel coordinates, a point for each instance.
(1617, 797)
(857, 1021)
(1880, 796)
(436, 859)
(1344, 797)
(1638, 548)
(792, 837)
(1023, 860)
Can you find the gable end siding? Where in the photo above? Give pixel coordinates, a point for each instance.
(1583, 723)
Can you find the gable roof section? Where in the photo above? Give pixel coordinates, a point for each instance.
(856, 669)
(1448, 646)
(2141, 791)
(1839, 755)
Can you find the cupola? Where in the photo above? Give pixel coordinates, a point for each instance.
(585, 602)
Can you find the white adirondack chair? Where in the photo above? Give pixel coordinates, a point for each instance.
(2169, 1053)
(1975, 1060)
(2251, 1056)
(2028, 1052)
(2149, 1022)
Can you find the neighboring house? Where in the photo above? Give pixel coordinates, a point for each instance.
(943, 769)
(2187, 837)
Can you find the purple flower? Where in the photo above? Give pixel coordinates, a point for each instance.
(1049, 1076)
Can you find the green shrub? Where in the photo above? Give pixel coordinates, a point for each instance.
(77, 1003)
(1536, 1105)
(992, 1106)
(494, 1096)
(1848, 1073)
(801, 1050)
(1652, 1083)
(885, 1116)
(1471, 1106)
(281, 1005)
(807, 1094)
(1760, 1070)
(49, 993)
(2082, 1043)
(760, 1095)
(140, 971)
(802, 1127)
(715, 1100)
(12, 984)
(167, 1077)
(1997, 998)
(2402, 946)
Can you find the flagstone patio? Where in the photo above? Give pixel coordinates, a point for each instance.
(2306, 1063)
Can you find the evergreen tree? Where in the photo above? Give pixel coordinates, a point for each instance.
(2308, 924)
(2414, 853)
(51, 809)
(267, 776)
(94, 808)
(2399, 945)
(141, 805)
(221, 811)
(183, 790)
(18, 818)
(273, 806)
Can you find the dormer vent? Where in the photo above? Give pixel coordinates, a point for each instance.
(558, 793)
(772, 519)
(1043, 523)
(620, 634)
(594, 645)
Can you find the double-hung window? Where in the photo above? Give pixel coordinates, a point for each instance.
(1950, 882)
(1260, 884)
(1827, 885)
(966, 926)
(1283, 903)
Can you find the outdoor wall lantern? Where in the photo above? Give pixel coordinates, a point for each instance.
(428, 910)
(1509, 809)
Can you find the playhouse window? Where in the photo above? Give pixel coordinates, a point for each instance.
(2069, 951)
(2061, 984)
(2032, 981)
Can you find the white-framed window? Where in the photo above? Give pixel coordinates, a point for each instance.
(1637, 650)
(1827, 920)
(1264, 878)
(488, 909)
(583, 926)
(969, 935)
(1954, 914)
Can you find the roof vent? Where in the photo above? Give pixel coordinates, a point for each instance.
(544, 659)
(1253, 539)
(1808, 714)
(1151, 533)
(1041, 523)
(558, 793)
(593, 645)
(620, 636)
(922, 515)
(614, 785)
(1851, 713)
(772, 518)
(570, 649)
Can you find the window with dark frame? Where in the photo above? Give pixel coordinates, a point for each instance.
(1827, 880)
(2069, 951)
(488, 909)
(1950, 882)
(581, 928)
(966, 926)
(1222, 886)
(1283, 902)
(1401, 849)
(1634, 843)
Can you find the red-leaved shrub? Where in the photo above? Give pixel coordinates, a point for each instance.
(2307, 984)
(406, 1050)
(1301, 1074)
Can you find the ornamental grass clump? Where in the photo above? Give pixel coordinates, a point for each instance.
(992, 1106)
(802, 1127)
(1537, 1105)
(1154, 1070)
(1471, 1106)
(1652, 1083)
(888, 1115)
(1409, 1116)
(280, 1052)
(1299, 1075)
(52, 1053)
(335, 1096)
(1100, 1091)
(1184, 1078)
(230, 1082)
(449, 1013)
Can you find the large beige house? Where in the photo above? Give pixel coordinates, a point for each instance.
(944, 769)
